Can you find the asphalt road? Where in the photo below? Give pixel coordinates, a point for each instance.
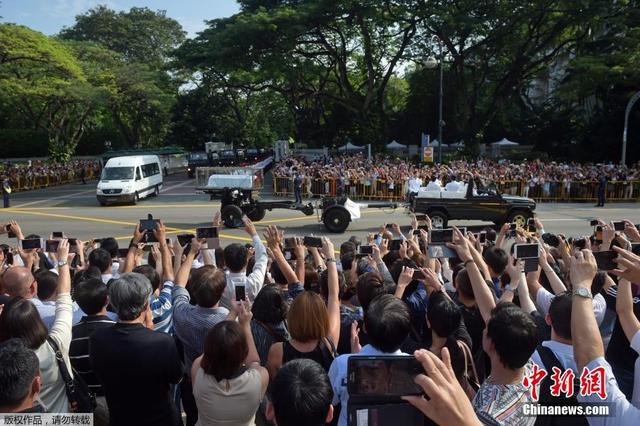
(74, 210)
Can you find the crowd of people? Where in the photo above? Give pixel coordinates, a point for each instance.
(357, 175)
(34, 173)
(266, 333)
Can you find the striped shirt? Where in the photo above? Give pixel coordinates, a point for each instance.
(79, 349)
(191, 324)
(162, 309)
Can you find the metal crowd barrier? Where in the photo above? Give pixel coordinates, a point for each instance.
(27, 183)
(370, 189)
(546, 192)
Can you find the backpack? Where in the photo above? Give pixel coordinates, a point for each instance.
(550, 360)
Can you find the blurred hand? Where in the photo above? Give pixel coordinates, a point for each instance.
(460, 245)
(628, 265)
(243, 310)
(217, 219)
(414, 222)
(631, 231)
(177, 248)
(137, 235)
(403, 250)
(431, 279)
(355, 339)
(582, 269)
(514, 268)
(406, 276)
(396, 229)
(196, 245)
(160, 233)
(249, 226)
(63, 250)
(327, 249)
(299, 249)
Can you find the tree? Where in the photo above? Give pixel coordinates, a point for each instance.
(321, 56)
(140, 35)
(42, 80)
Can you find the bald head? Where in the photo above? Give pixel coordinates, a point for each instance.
(19, 281)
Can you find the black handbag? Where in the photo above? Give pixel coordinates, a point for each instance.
(77, 390)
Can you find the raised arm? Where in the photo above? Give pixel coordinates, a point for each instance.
(182, 277)
(556, 283)
(624, 302)
(483, 295)
(165, 252)
(130, 261)
(300, 264)
(587, 344)
(333, 300)
(274, 237)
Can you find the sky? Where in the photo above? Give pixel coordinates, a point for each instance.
(49, 16)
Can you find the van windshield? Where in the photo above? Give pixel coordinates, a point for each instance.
(117, 173)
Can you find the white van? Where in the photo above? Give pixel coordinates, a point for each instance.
(129, 179)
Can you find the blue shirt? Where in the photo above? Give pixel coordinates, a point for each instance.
(338, 378)
(162, 309)
(191, 324)
(47, 311)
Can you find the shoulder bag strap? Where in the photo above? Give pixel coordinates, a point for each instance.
(468, 360)
(62, 367)
(269, 330)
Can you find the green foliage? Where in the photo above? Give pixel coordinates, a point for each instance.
(140, 35)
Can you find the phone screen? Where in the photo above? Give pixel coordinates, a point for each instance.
(580, 243)
(618, 226)
(122, 253)
(395, 245)
(148, 224)
(240, 292)
(440, 236)
(605, 260)
(593, 222)
(482, 237)
(30, 244)
(524, 251)
(531, 264)
(290, 242)
(57, 234)
(513, 227)
(209, 232)
(389, 226)
(10, 233)
(635, 248)
(421, 217)
(312, 242)
(51, 246)
(366, 250)
(598, 233)
(383, 375)
(184, 239)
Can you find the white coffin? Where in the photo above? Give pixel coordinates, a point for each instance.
(230, 181)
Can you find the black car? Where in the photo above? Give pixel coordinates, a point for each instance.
(488, 205)
(196, 159)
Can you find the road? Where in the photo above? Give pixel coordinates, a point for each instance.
(74, 210)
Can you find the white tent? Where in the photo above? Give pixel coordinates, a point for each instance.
(458, 144)
(436, 142)
(505, 142)
(395, 145)
(350, 147)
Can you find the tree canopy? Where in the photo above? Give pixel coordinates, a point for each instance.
(555, 74)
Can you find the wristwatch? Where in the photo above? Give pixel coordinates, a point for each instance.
(582, 292)
(62, 263)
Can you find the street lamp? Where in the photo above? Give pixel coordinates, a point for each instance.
(632, 101)
(430, 64)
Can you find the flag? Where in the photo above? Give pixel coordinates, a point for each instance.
(424, 139)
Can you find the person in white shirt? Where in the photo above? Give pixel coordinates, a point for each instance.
(587, 343)
(453, 185)
(387, 324)
(236, 258)
(434, 185)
